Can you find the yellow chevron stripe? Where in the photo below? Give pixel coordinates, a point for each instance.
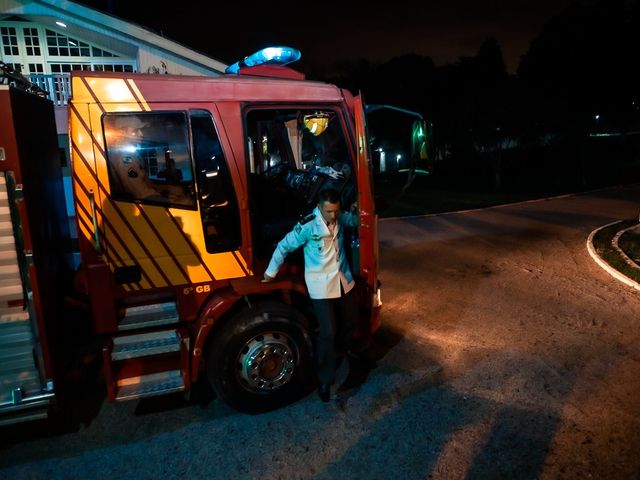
(134, 87)
(80, 93)
(84, 231)
(222, 265)
(177, 244)
(111, 90)
(244, 262)
(133, 243)
(81, 139)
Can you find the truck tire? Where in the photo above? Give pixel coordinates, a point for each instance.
(262, 358)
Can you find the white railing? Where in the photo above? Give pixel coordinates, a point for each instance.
(57, 86)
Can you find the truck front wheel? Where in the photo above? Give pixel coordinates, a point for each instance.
(262, 358)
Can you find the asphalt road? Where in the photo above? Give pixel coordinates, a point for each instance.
(506, 353)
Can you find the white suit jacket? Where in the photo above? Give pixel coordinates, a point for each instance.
(325, 262)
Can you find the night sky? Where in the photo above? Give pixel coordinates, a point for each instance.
(329, 32)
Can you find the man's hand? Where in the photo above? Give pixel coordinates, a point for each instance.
(267, 278)
(330, 172)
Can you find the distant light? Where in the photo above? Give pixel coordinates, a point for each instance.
(398, 157)
(60, 24)
(597, 117)
(130, 148)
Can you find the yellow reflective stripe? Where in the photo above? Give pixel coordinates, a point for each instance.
(222, 265)
(188, 226)
(99, 148)
(116, 245)
(136, 91)
(86, 232)
(80, 92)
(82, 141)
(113, 90)
(127, 237)
(243, 262)
(154, 246)
(177, 244)
(147, 265)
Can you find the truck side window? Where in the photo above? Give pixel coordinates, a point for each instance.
(218, 204)
(149, 159)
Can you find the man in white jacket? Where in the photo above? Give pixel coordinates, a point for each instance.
(328, 278)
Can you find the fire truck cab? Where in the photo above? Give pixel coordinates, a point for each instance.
(183, 186)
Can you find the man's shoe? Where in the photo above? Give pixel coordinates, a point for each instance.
(324, 392)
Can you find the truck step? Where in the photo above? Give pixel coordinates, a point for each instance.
(14, 314)
(145, 345)
(6, 228)
(7, 243)
(6, 270)
(149, 316)
(8, 257)
(17, 365)
(10, 293)
(150, 385)
(10, 275)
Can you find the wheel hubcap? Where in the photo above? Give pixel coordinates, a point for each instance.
(267, 362)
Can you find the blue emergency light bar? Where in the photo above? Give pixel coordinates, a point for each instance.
(267, 56)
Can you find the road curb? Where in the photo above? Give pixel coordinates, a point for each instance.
(604, 265)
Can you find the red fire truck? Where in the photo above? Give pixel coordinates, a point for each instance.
(182, 188)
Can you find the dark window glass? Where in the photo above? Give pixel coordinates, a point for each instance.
(149, 158)
(218, 204)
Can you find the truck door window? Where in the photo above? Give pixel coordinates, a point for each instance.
(218, 204)
(149, 159)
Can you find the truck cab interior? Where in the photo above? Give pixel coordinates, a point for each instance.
(293, 155)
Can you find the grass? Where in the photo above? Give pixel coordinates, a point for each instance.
(630, 243)
(423, 198)
(602, 245)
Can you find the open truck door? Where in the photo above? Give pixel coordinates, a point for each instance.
(400, 142)
(369, 256)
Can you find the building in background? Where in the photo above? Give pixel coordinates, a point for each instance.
(47, 39)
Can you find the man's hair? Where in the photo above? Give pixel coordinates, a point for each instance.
(329, 195)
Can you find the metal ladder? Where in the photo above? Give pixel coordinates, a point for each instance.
(23, 393)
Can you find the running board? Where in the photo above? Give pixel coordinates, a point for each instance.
(149, 316)
(150, 385)
(25, 409)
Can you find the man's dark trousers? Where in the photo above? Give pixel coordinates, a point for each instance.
(337, 320)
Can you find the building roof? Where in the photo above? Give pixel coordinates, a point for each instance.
(102, 28)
